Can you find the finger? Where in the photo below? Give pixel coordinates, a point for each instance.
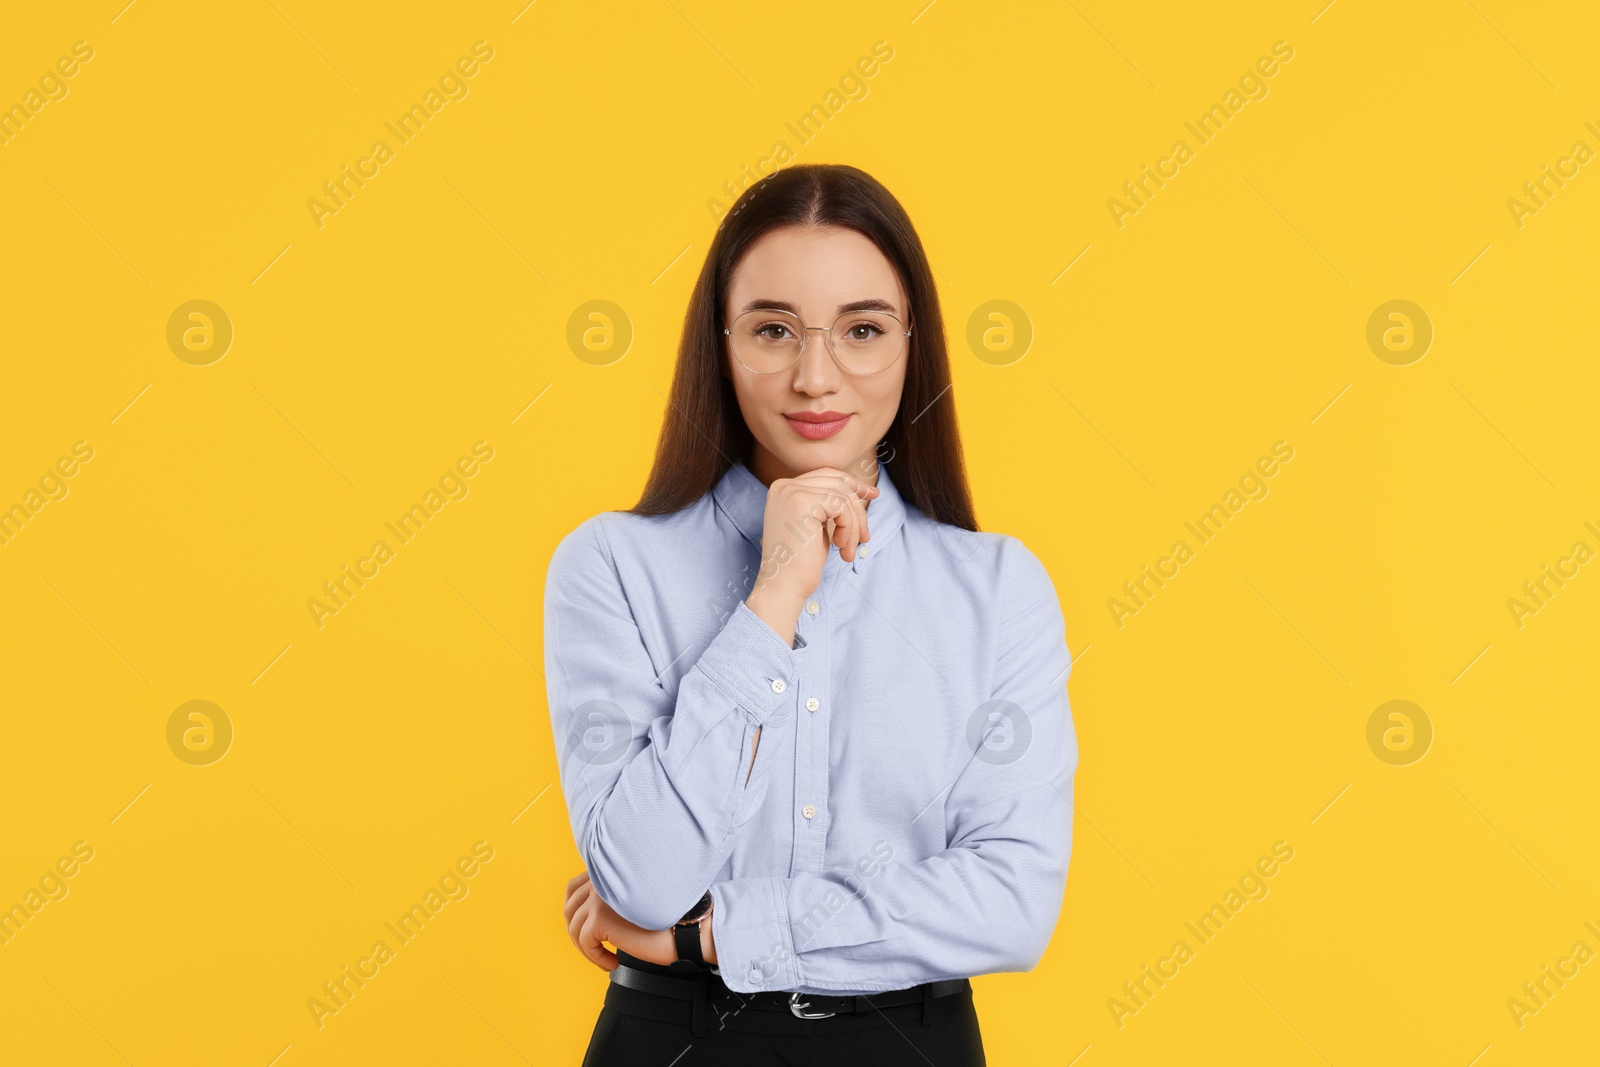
(855, 477)
(825, 505)
(855, 526)
(583, 915)
(861, 530)
(848, 531)
(576, 880)
(597, 954)
(576, 899)
(853, 489)
(855, 484)
(848, 518)
(840, 485)
(866, 525)
(574, 926)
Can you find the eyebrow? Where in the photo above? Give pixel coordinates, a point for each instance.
(870, 304)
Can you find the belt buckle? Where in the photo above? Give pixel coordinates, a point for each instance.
(798, 1008)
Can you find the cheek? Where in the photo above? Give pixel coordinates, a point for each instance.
(760, 400)
(761, 396)
(877, 405)
(883, 399)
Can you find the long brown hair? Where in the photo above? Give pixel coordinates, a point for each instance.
(704, 431)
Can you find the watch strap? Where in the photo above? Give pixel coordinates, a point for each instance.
(686, 936)
(686, 939)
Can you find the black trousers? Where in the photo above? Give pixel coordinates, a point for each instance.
(639, 1029)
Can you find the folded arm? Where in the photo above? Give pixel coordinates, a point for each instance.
(656, 784)
(990, 900)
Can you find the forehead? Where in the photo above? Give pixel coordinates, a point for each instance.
(815, 268)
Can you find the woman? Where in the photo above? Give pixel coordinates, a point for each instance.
(814, 733)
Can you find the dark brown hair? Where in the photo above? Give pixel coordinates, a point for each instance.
(704, 431)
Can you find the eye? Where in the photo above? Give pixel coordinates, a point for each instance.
(864, 330)
(782, 328)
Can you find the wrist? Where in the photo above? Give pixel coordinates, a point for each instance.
(708, 944)
(778, 609)
(690, 940)
(657, 948)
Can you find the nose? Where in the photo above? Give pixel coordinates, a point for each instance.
(815, 372)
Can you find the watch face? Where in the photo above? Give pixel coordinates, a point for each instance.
(699, 911)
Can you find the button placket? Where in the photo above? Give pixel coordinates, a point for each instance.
(812, 608)
(811, 739)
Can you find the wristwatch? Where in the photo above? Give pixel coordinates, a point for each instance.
(686, 936)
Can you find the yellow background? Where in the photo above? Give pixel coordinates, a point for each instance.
(1227, 314)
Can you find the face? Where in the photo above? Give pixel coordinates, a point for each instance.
(815, 270)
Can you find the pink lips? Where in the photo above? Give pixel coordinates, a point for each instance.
(817, 425)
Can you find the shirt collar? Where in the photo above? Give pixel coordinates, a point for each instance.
(743, 498)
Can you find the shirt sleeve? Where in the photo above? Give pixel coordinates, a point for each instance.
(990, 900)
(656, 782)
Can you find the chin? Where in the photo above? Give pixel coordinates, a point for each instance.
(813, 454)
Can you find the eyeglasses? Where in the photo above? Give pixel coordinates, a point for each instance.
(862, 342)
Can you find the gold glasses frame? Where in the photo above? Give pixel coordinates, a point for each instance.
(805, 330)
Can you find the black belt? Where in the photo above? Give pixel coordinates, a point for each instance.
(699, 988)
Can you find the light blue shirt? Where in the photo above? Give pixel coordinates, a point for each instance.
(907, 816)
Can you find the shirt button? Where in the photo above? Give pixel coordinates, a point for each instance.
(861, 550)
(779, 685)
(809, 810)
(812, 704)
(811, 607)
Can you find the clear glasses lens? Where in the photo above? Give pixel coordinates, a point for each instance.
(864, 342)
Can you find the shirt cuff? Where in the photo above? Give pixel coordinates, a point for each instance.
(751, 663)
(750, 929)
